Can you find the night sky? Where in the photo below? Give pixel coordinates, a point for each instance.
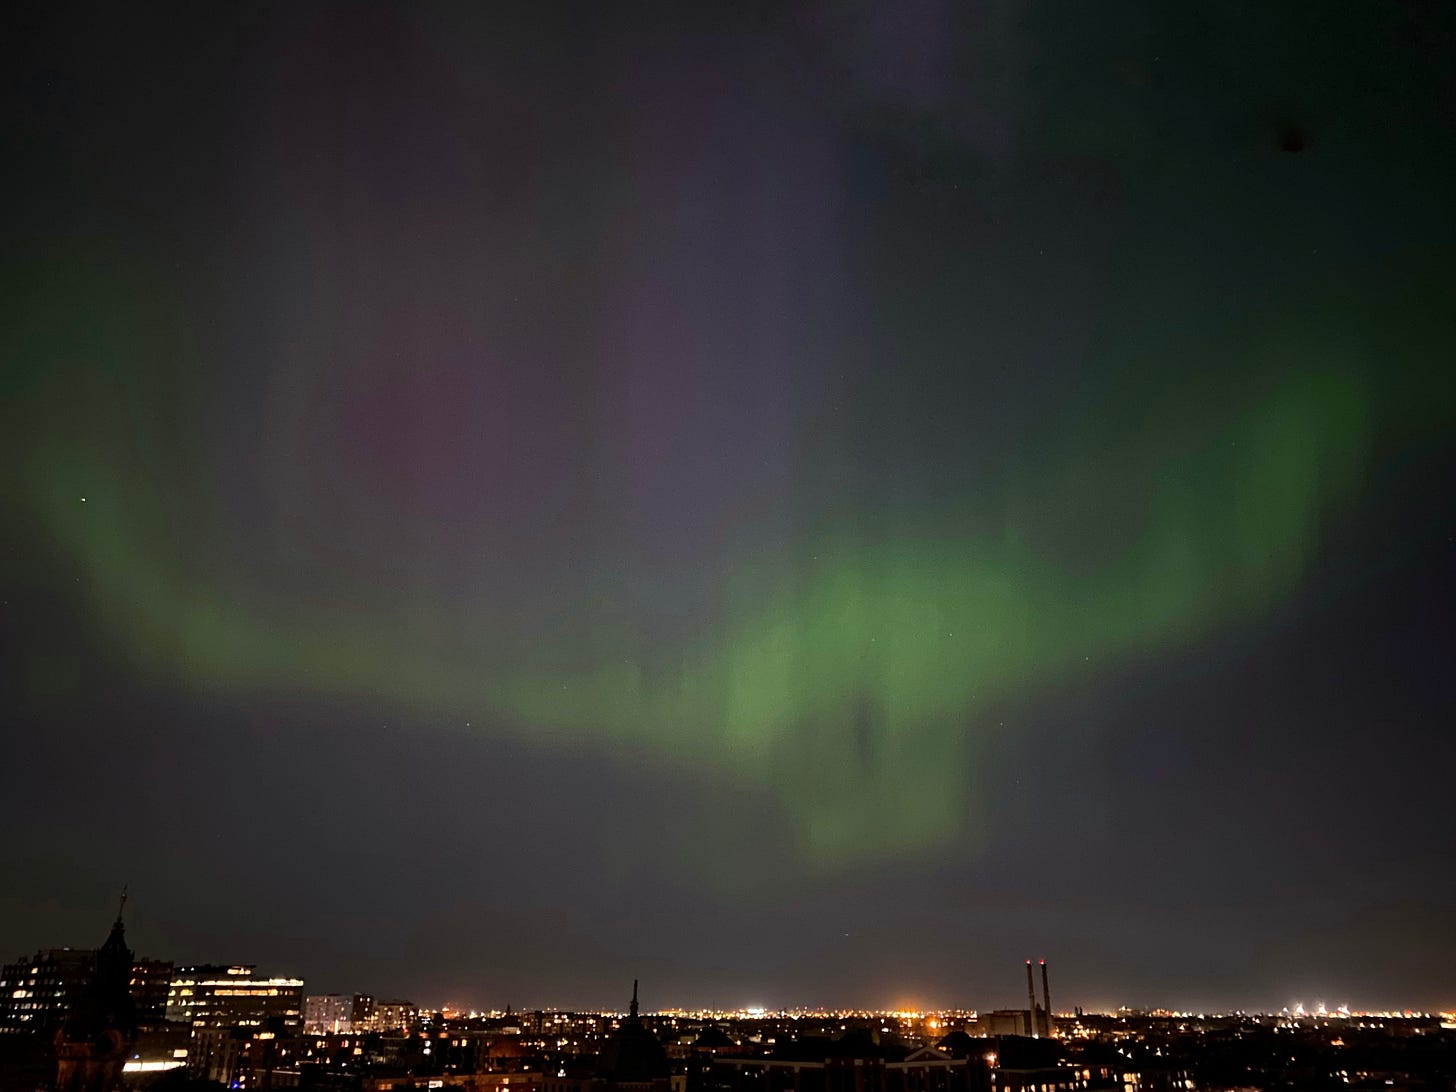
(802, 505)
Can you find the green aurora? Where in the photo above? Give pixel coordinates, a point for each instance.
(857, 674)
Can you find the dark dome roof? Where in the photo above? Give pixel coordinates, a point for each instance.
(713, 1038)
(633, 1054)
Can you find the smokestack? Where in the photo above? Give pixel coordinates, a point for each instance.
(1046, 1000)
(1031, 1002)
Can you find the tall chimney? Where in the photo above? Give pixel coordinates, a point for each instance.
(1046, 1000)
(1031, 1002)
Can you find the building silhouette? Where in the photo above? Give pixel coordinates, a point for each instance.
(96, 1038)
(634, 1058)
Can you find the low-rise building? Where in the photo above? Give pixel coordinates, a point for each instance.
(244, 1058)
(328, 1014)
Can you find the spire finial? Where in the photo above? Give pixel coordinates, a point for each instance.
(634, 999)
(121, 906)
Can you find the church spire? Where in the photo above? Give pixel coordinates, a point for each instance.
(634, 999)
(117, 940)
